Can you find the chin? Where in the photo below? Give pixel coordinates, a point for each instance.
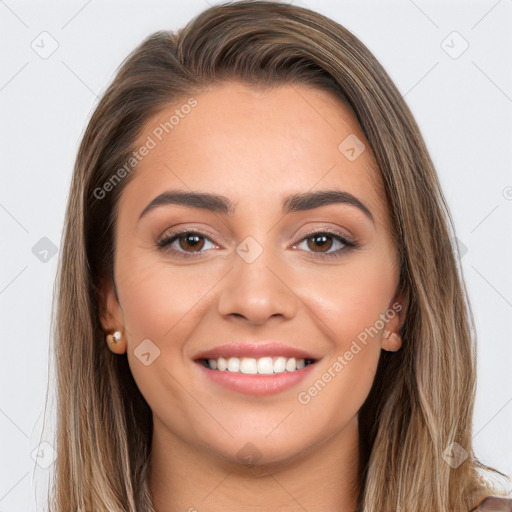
(257, 451)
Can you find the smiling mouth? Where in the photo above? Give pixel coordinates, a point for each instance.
(257, 366)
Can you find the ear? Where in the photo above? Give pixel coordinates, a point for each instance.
(111, 315)
(396, 313)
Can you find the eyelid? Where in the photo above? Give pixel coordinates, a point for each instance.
(328, 231)
(169, 233)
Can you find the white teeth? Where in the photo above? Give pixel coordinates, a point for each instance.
(291, 364)
(265, 365)
(233, 364)
(261, 366)
(248, 365)
(280, 365)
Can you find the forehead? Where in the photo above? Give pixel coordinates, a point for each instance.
(256, 145)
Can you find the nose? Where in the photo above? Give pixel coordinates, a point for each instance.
(257, 291)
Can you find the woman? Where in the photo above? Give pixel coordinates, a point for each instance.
(259, 305)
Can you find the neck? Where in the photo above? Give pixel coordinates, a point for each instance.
(183, 477)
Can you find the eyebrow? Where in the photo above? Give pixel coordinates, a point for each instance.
(221, 204)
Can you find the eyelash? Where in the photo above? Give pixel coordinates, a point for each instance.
(164, 243)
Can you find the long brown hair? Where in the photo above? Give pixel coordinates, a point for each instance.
(423, 396)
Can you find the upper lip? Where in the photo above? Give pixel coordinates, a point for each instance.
(256, 350)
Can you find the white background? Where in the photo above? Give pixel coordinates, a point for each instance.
(463, 107)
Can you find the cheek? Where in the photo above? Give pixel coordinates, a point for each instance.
(351, 299)
(157, 298)
(348, 308)
(162, 304)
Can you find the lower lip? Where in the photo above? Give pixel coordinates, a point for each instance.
(257, 385)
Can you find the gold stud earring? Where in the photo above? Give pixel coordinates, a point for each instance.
(115, 337)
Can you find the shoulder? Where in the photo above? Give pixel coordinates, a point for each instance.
(495, 504)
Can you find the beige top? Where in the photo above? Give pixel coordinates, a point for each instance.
(495, 504)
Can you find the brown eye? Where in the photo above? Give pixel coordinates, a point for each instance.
(186, 243)
(320, 242)
(191, 241)
(326, 244)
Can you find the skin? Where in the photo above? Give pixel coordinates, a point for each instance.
(254, 146)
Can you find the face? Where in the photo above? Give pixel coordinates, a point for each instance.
(274, 268)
